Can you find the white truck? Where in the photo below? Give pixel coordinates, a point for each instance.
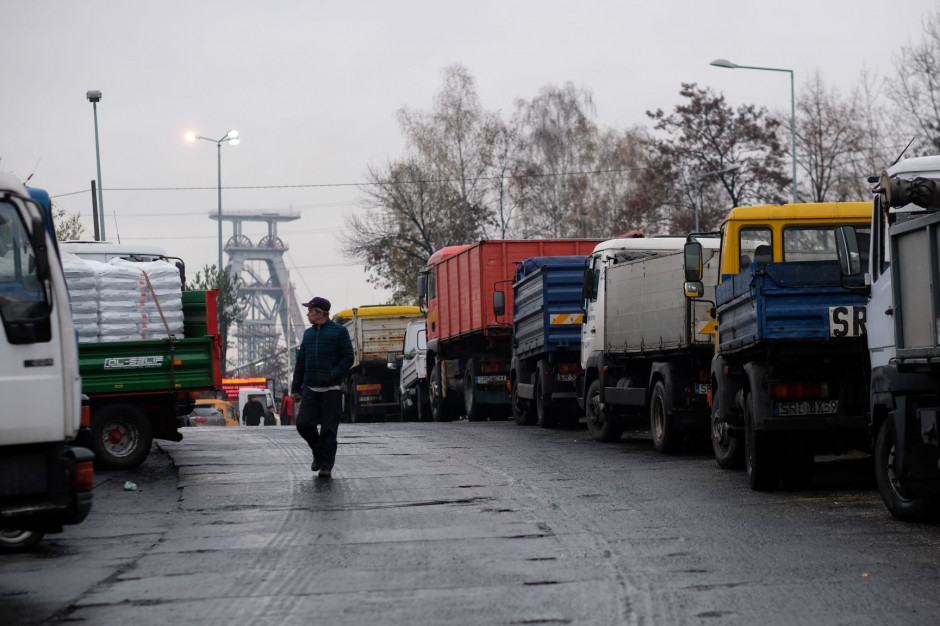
(412, 366)
(902, 274)
(375, 330)
(265, 397)
(646, 350)
(45, 482)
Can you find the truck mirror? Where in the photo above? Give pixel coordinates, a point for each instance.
(694, 289)
(693, 263)
(850, 260)
(587, 284)
(393, 362)
(40, 252)
(422, 286)
(499, 303)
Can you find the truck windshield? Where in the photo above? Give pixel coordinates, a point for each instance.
(23, 302)
(818, 243)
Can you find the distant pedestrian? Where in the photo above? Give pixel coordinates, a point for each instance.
(252, 412)
(324, 357)
(287, 409)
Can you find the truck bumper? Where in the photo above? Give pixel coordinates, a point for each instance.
(43, 486)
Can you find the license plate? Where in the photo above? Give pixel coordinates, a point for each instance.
(566, 378)
(702, 389)
(809, 407)
(489, 380)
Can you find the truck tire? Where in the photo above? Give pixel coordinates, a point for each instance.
(545, 414)
(762, 452)
(901, 507)
(439, 410)
(666, 437)
(355, 410)
(473, 410)
(120, 436)
(15, 540)
(797, 462)
(728, 448)
(422, 405)
(521, 408)
(601, 424)
(405, 414)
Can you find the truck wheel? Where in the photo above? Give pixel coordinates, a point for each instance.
(728, 449)
(439, 412)
(474, 411)
(762, 454)
(405, 414)
(121, 436)
(521, 410)
(422, 405)
(545, 416)
(666, 437)
(15, 540)
(903, 508)
(355, 410)
(797, 462)
(601, 424)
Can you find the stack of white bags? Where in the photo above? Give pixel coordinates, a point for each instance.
(113, 302)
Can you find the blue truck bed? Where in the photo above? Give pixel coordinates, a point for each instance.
(780, 302)
(547, 305)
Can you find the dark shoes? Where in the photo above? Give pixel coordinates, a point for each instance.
(324, 473)
(315, 465)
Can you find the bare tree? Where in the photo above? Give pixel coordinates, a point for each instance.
(704, 135)
(67, 227)
(552, 179)
(230, 306)
(915, 87)
(829, 142)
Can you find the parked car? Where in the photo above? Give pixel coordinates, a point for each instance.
(206, 416)
(227, 408)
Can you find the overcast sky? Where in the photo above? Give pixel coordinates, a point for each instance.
(313, 86)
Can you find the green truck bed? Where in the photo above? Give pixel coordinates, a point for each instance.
(158, 365)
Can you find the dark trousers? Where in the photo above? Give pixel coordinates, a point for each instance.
(322, 408)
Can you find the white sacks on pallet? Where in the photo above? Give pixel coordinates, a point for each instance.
(113, 301)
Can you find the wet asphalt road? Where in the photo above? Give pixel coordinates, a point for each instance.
(482, 523)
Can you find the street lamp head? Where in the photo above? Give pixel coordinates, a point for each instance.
(232, 134)
(723, 63)
(190, 136)
(93, 96)
(234, 142)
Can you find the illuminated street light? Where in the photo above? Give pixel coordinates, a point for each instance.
(728, 64)
(232, 138)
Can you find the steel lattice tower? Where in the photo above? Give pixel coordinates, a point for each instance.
(273, 311)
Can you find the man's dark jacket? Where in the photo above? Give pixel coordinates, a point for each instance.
(252, 413)
(323, 358)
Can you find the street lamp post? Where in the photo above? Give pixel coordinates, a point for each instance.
(232, 138)
(698, 183)
(730, 65)
(94, 97)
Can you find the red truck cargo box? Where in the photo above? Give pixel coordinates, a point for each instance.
(465, 278)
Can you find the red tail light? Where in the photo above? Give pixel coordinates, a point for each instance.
(86, 416)
(85, 476)
(198, 419)
(798, 391)
(569, 368)
(493, 368)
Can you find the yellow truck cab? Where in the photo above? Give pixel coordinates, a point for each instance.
(784, 232)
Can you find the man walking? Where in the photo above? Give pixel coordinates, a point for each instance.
(324, 357)
(252, 412)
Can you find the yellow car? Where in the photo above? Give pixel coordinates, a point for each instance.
(227, 409)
